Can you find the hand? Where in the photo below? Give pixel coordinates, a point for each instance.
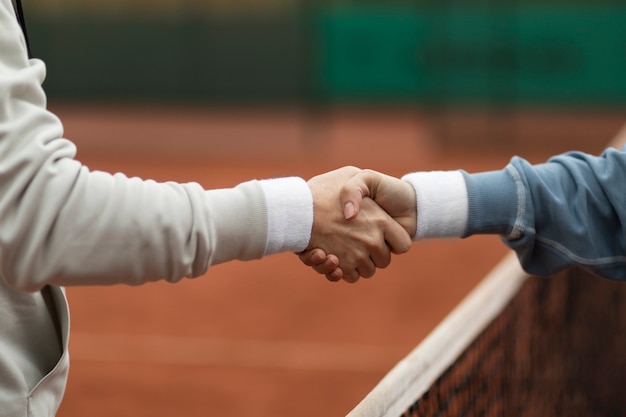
(361, 243)
(395, 196)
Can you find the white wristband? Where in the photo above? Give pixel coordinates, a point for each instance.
(290, 214)
(442, 205)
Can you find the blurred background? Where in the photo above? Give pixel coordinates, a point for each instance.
(219, 92)
(288, 51)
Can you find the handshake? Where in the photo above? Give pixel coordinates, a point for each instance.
(360, 218)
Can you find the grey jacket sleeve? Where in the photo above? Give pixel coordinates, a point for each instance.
(568, 211)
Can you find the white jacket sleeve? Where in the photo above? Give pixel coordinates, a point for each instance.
(62, 224)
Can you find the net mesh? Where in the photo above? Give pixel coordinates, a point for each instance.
(558, 348)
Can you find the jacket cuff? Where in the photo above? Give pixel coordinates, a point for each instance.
(442, 203)
(496, 203)
(290, 214)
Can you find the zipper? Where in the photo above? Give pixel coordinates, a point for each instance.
(19, 13)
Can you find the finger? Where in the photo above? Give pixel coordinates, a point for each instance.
(336, 275)
(328, 266)
(354, 190)
(397, 238)
(351, 276)
(366, 268)
(381, 255)
(312, 257)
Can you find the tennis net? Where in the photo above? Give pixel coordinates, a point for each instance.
(517, 345)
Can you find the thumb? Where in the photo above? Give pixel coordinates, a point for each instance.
(353, 192)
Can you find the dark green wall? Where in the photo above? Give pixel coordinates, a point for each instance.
(423, 53)
(252, 59)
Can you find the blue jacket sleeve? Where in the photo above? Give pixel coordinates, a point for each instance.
(568, 211)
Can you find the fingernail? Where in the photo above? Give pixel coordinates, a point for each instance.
(348, 210)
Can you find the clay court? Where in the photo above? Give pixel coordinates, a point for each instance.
(271, 337)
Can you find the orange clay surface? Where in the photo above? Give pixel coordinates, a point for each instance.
(271, 337)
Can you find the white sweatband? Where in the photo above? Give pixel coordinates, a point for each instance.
(290, 214)
(442, 204)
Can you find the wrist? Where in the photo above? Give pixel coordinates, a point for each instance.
(441, 202)
(289, 214)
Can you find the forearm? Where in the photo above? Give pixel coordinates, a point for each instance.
(102, 229)
(65, 225)
(62, 224)
(569, 211)
(77, 227)
(576, 214)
